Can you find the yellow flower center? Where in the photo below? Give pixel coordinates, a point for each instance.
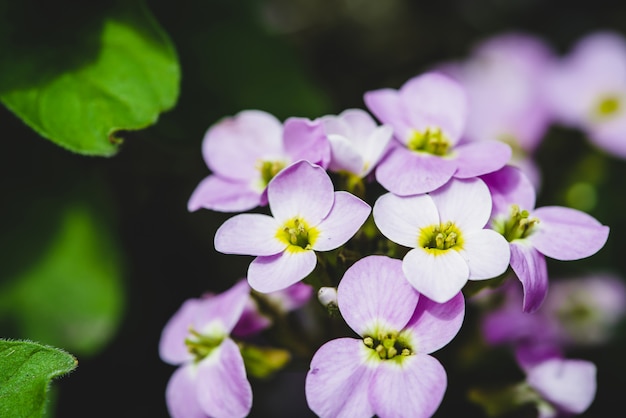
(388, 345)
(432, 141)
(607, 107)
(268, 170)
(442, 237)
(518, 225)
(297, 234)
(201, 345)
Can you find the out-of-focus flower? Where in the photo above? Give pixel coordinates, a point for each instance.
(246, 151)
(557, 232)
(388, 371)
(211, 380)
(446, 231)
(307, 216)
(587, 90)
(428, 115)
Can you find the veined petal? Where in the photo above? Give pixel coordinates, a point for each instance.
(405, 172)
(343, 221)
(337, 382)
(509, 186)
(413, 388)
(305, 139)
(434, 325)
(467, 203)
(233, 146)
(180, 394)
(249, 234)
(223, 195)
(567, 234)
(401, 218)
(387, 106)
(374, 291)
(569, 384)
(530, 268)
(478, 158)
(486, 252)
(438, 276)
(269, 274)
(302, 189)
(222, 387)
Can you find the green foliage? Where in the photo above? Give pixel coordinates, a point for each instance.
(26, 369)
(262, 362)
(81, 81)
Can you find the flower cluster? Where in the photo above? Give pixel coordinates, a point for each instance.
(438, 171)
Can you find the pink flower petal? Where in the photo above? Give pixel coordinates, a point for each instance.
(302, 189)
(530, 268)
(343, 221)
(223, 195)
(277, 272)
(344, 155)
(466, 203)
(305, 140)
(249, 234)
(567, 234)
(509, 186)
(487, 254)
(227, 307)
(478, 158)
(172, 348)
(180, 394)
(413, 388)
(338, 380)
(440, 277)
(387, 106)
(222, 387)
(374, 291)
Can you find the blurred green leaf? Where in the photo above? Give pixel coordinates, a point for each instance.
(26, 369)
(83, 80)
(262, 362)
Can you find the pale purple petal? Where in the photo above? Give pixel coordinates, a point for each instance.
(360, 122)
(405, 172)
(568, 384)
(249, 234)
(486, 252)
(478, 158)
(401, 218)
(172, 348)
(251, 322)
(305, 139)
(413, 388)
(466, 203)
(226, 307)
(291, 298)
(387, 106)
(609, 136)
(269, 274)
(440, 277)
(378, 143)
(234, 146)
(530, 268)
(529, 354)
(434, 325)
(510, 186)
(224, 195)
(337, 382)
(344, 155)
(343, 221)
(221, 384)
(302, 189)
(374, 291)
(567, 234)
(180, 394)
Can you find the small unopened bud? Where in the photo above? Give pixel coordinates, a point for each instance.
(327, 296)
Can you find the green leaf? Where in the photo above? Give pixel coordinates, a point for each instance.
(89, 76)
(262, 362)
(26, 369)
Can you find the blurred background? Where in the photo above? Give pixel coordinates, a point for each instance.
(96, 254)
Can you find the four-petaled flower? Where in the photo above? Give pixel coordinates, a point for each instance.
(388, 370)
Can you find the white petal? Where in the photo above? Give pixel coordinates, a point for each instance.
(249, 234)
(344, 220)
(486, 252)
(277, 272)
(467, 203)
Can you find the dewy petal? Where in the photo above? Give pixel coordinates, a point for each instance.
(440, 277)
(249, 234)
(305, 139)
(343, 221)
(233, 146)
(223, 195)
(434, 325)
(405, 172)
(374, 291)
(567, 234)
(413, 388)
(486, 252)
(509, 186)
(180, 394)
(302, 189)
(400, 218)
(530, 268)
(478, 158)
(337, 382)
(466, 203)
(569, 384)
(277, 272)
(222, 387)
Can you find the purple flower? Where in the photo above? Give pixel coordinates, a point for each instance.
(557, 232)
(388, 370)
(357, 143)
(428, 116)
(445, 230)
(246, 151)
(211, 380)
(587, 90)
(307, 216)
